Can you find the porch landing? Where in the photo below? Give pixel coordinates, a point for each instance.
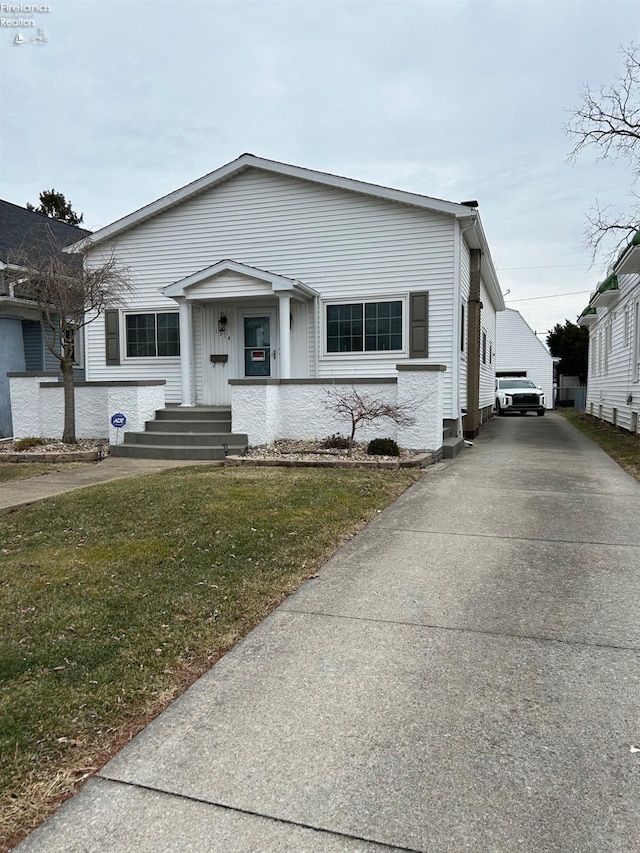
(198, 433)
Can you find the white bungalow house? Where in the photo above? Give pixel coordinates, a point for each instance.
(520, 353)
(261, 285)
(613, 318)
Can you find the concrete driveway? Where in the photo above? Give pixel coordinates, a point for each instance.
(462, 676)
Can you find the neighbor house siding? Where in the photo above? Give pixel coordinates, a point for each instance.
(344, 245)
(519, 350)
(612, 378)
(32, 342)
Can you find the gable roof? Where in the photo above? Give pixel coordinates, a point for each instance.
(250, 161)
(465, 213)
(17, 224)
(276, 282)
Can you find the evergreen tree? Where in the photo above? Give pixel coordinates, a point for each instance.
(54, 205)
(570, 343)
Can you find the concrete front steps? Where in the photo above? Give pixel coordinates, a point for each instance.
(198, 433)
(451, 444)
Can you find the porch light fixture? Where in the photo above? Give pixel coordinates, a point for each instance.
(222, 324)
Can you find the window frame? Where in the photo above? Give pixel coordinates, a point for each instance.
(125, 337)
(368, 300)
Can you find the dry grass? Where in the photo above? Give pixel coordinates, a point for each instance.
(24, 470)
(621, 445)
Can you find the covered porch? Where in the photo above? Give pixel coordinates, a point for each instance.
(238, 322)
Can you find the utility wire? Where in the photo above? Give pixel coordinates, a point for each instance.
(552, 267)
(551, 296)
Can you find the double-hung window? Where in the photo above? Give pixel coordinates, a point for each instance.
(365, 327)
(152, 335)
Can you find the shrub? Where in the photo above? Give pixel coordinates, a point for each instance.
(383, 447)
(336, 441)
(27, 443)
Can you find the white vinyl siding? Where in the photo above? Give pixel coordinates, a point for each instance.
(342, 244)
(465, 269)
(518, 350)
(487, 370)
(614, 363)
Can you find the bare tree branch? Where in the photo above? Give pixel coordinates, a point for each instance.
(359, 409)
(604, 226)
(69, 295)
(610, 119)
(609, 122)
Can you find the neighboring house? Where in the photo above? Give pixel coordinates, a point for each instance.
(613, 318)
(265, 273)
(22, 346)
(520, 353)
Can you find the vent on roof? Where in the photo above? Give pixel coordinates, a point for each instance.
(473, 203)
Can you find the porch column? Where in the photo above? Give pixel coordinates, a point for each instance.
(186, 353)
(284, 305)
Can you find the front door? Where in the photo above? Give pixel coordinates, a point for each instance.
(257, 346)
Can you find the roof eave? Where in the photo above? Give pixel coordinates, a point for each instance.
(629, 262)
(476, 239)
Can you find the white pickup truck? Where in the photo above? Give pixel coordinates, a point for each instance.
(519, 394)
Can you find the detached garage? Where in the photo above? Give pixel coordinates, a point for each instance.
(520, 353)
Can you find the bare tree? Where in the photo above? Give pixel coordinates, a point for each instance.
(609, 122)
(359, 409)
(69, 295)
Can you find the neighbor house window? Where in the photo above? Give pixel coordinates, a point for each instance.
(626, 337)
(484, 347)
(75, 336)
(364, 327)
(151, 335)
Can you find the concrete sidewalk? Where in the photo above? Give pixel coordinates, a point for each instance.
(463, 675)
(18, 493)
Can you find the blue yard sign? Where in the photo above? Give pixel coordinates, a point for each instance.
(118, 420)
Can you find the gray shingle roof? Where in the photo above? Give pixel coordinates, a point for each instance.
(16, 223)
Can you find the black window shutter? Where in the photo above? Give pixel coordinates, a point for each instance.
(112, 336)
(419, 325)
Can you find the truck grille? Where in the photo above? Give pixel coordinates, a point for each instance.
(525, 400)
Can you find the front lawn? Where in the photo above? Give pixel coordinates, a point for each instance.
(115, 598)
(24, 470)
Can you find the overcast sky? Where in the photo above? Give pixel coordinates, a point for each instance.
(458, 99)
